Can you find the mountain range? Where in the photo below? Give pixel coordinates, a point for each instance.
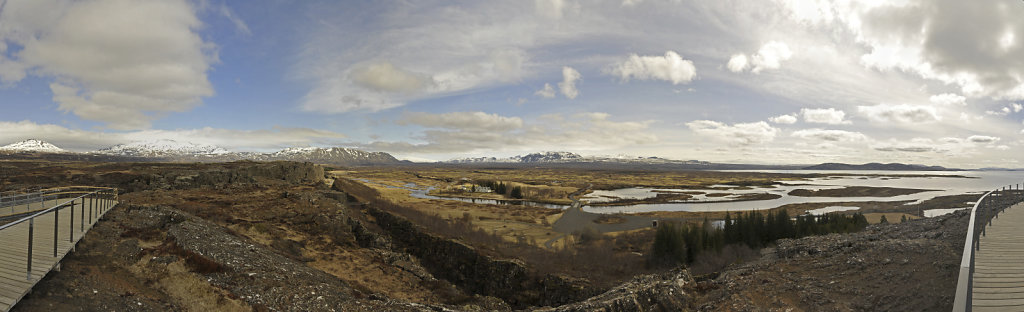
(569, 157)
(176, 151)
(877, 166)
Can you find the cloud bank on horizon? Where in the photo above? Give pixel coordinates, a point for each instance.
(784, 81)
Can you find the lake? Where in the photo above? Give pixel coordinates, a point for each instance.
(942, 182)
(975, 182)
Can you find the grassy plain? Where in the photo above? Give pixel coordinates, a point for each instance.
(530, 224)
(521, 223)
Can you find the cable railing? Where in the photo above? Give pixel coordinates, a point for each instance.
(92, 203)
(985, 209)
(18, 203)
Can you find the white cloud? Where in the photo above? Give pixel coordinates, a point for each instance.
(970, 45)
(830, 135)
(629, 3)
(769, 56)
(737, 63)
(671, 67)
(235, 140)
(463, 132)
(240, 24)
(982, 139)
(555, 9)
(1006, 110)
(902, 113)
(120, 62)
(386, 77)
(784, 119)
(463, 120)
(829, 116)
(547, 92)
(948, 146)
(568, 85)
(948, 99)
(10, 70)
(916, 145)
(448, 49)
(740, 133)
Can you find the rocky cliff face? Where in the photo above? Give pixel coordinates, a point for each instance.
(462, 265)
(910, 266)
(672, 291)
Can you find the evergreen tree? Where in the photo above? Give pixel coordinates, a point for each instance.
(517, 192)
(668, 244)
(883, 220)
(728, 228)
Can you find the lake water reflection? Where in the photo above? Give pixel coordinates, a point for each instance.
(975, 182)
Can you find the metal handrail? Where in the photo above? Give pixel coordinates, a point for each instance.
(989, 209)
(100, 200)
(40, 196)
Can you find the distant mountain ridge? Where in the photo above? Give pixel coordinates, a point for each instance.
(878, 166)
(337, 155)
(570, 157)
(162, 148)
(176, 151)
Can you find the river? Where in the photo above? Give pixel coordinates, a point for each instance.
(941, 183)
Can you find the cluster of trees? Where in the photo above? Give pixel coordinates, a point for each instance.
(501, 188)
(674, 243)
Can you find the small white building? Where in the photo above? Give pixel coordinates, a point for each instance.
(483, 189)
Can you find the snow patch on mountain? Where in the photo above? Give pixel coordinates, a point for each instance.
(332, 155)
(32, 145)
(163, 147)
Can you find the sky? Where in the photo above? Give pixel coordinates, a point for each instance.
(936, 82)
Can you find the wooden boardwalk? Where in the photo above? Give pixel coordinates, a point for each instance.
(999, 265)
(15, 280)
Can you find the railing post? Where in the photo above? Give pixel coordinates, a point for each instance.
(56, 221)
(31, 227)
(71, 223)
(90, 216)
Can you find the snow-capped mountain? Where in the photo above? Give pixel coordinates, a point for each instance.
(548, 157)
(170, 150)
(32, 145)
(177, 151)
(163, 148)
(528, 158)
(333, 155)
(569, 157)
(471, 160)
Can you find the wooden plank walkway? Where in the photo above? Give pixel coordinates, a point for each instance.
(15, 282)
(999, 265)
